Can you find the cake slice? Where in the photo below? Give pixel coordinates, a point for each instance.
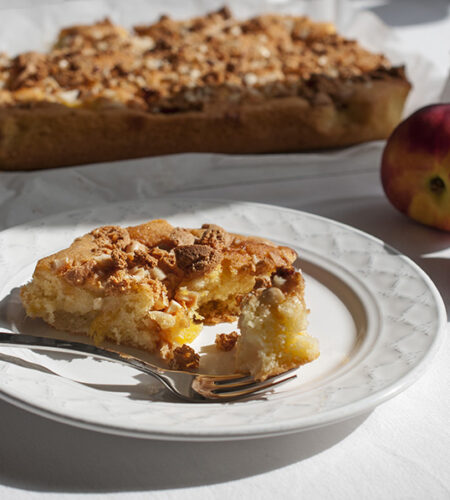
(151, 286)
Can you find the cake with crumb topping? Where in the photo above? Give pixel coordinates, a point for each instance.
(154, 286)
(272, 83)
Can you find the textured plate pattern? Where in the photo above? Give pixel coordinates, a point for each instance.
(404, 312)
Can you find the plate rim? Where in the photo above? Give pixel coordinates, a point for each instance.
(328, 417)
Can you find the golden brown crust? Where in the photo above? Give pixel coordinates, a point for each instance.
(49, 136)
(269, 84)
(112, 258)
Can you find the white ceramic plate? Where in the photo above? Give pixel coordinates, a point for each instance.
(378, 317)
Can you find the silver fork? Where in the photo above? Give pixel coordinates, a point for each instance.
(192, 387)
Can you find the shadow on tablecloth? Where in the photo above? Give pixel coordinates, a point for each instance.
(41, 455)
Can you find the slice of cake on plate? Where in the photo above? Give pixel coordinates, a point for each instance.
(153, 286)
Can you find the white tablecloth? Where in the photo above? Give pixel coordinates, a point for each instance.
(400, 450)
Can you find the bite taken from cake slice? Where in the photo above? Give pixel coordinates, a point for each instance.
(154, 286)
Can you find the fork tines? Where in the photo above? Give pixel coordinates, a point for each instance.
(237, 386)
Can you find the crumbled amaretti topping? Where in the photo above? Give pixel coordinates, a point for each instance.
(118, 261)
(180, 236)
(184, 358)
(214, 236)
(196, 260)
(226, 341)
(173, 66)
(287, 280)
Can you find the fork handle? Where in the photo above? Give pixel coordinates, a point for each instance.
(52, 344)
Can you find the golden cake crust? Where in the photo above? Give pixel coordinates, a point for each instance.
(209, 84)
(96, 257)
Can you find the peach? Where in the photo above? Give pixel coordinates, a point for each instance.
(415, 168)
